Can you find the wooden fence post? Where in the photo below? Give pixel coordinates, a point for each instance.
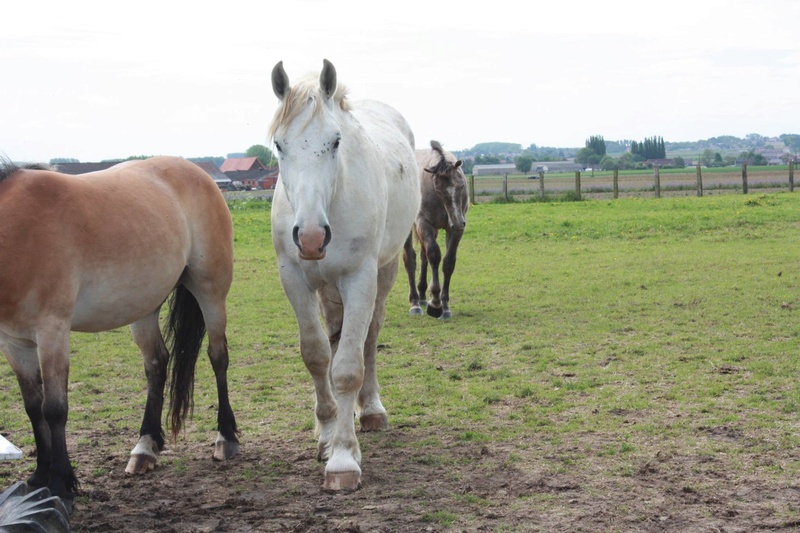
(744, 178)
(616, 183)
(699, 181)
(505, 187)
(541, 184)
(578, 184)
(472, 189)
(791, 176)
(657, 181)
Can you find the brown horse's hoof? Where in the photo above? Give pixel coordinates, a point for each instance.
(435, 312)
(376, 422)
(342, 481)
(140, 464)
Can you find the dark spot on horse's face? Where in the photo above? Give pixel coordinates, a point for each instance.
(357, 244)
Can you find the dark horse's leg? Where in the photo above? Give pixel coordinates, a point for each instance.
(208, 296)
(431, 253)
(42, 373)
(147, 336)
(448, 266)
(410, 263)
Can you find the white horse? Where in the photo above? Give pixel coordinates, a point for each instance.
(344, 204)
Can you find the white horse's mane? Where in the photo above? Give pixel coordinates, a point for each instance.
(306, 89)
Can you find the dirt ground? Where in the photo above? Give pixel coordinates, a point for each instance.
(411, 486)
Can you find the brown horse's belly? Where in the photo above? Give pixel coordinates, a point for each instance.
(97, 307)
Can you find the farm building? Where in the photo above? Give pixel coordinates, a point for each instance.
(556, 166)
(222, 181)
(82, 168)
(250, 172)
(494, 170)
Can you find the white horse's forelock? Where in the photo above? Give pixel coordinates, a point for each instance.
(306, 89)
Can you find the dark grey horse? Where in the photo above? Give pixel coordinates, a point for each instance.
(444, 205)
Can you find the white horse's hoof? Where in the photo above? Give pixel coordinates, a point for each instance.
(342, 481)
(374, 422)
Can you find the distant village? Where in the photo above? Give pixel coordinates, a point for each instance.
(235, 173)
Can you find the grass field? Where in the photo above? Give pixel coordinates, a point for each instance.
(644, 352)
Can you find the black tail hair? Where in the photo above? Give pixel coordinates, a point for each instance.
(184, 335)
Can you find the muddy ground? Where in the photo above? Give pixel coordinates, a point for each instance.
(411, 486)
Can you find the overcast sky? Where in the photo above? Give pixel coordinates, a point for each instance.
(105, 80)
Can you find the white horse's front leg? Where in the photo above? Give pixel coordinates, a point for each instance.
(316, 352)
(358, 291)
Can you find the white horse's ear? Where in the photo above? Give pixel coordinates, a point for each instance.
(280, 81)
(327, 79)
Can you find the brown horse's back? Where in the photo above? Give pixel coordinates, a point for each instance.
(79, 244)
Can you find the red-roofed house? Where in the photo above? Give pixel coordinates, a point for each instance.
(241, 164)
(250, 172)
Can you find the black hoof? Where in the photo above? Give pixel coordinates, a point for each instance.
(435, 312)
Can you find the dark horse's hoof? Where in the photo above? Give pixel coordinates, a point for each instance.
(23, 509)
(435, 312)
(447, 315)
(415, 311)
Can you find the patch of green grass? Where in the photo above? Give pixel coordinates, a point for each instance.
(442, 518)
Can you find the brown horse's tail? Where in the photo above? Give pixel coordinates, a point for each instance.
(184, 336)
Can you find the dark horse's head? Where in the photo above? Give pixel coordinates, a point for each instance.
(451, 187)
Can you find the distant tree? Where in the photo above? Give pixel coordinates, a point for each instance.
(496, 148)
(679, 162)
(57, 160)
(792, 141)
(650, 148)
(487, 160)
(263, 154)
(587, 157)
(752, 158)
(598, 144)
(524, 163)
(706, 159)
(608, 163)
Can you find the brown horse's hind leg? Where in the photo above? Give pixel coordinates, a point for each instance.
(210, 297)
(147, 336)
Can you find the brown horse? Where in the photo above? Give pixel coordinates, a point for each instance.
(103, 250)
(445, 201)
